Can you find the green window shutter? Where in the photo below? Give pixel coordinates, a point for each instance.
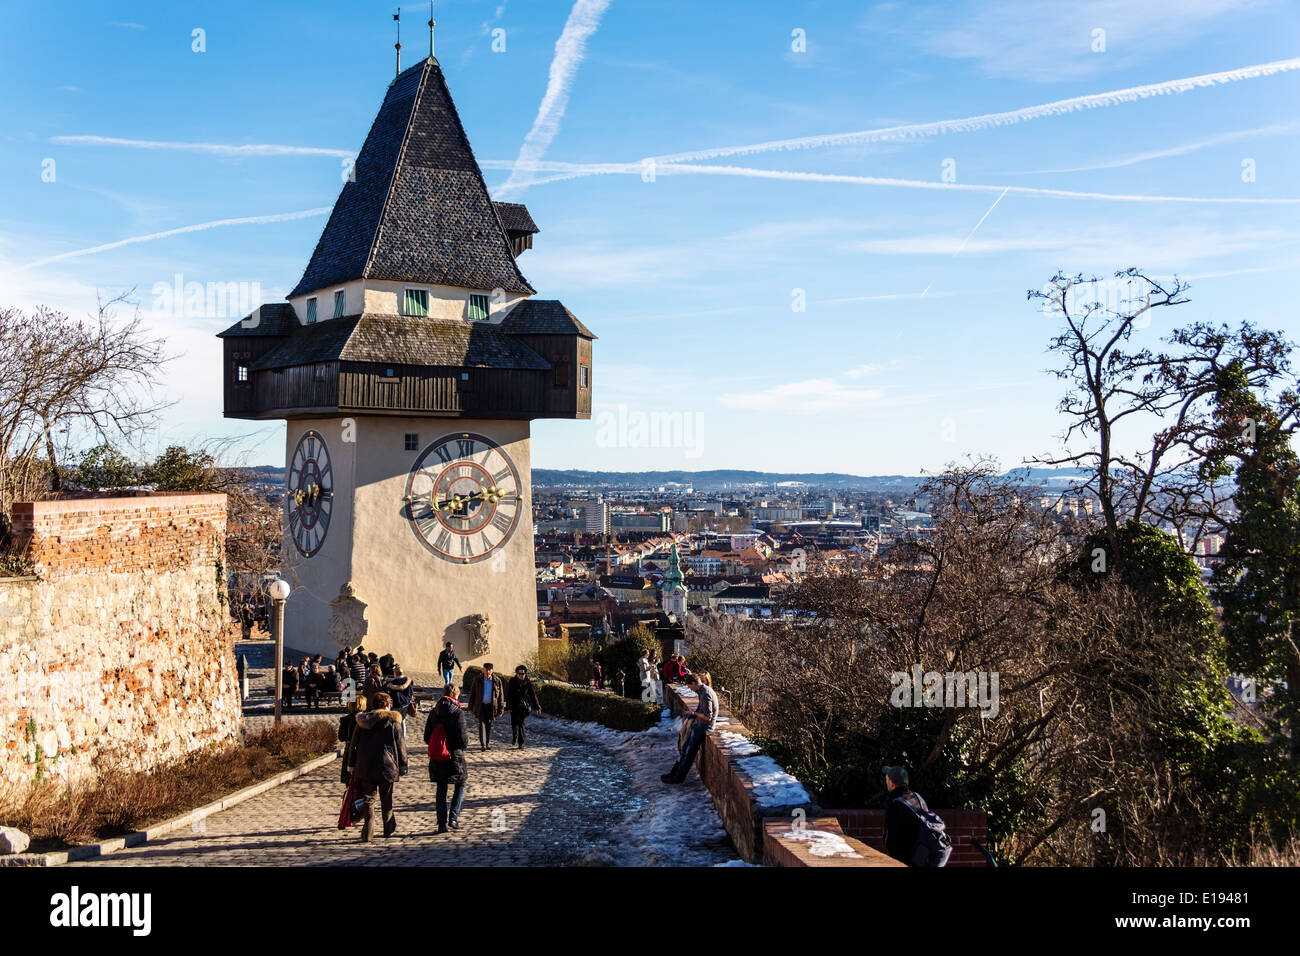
(311, 310)
(417, 302)
(478, 308)
(338, 304)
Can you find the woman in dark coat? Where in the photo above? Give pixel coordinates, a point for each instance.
(521, 697)
(449, 715)
(378, 760)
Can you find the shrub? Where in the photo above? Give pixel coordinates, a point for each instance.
(596, 706)
(562, 659)
(624, 653)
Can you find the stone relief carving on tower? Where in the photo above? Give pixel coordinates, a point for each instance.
(348, 625)
(479, 627)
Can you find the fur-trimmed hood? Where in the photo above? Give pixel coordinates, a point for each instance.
(370, 719)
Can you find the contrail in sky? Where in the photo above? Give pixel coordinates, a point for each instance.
(570, 49)
(217, 149)
(197, 227)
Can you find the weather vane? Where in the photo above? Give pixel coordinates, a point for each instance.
(398, 45)
(431, 22)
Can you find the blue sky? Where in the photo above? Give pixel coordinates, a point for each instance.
(916, 345)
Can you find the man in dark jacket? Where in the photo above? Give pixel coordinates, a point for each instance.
(378, 760)
(521, 697)
(449, 715)
(902, 826)
(487, 702)
(446, 661)
(288, 684)
(400, 688)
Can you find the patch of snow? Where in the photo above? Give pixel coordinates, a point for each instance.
(773, 787)
(735, 863)
(820, 842)
(738, 745)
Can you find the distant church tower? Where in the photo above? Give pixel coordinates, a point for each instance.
(408, 362)
(674, 600)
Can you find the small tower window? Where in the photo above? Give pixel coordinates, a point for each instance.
(561, 379)
(311, 310)
(339, 302)
(416, 302)
(411, 441)
(479, 308)
(241, 373)
(584, 376)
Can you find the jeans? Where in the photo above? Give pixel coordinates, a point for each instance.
(446, 677)
(457, 798)
(694, 739)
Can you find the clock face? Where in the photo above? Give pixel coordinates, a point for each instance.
(463, 497)
(309, 493)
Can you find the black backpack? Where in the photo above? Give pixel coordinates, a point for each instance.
(933, 845)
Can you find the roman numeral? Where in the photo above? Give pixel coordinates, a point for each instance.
(466, 548)
(466, 446)
(443, 543)
(443, 453)
(487, 545)
(502, 475)
(501, 522)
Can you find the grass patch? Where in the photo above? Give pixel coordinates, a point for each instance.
(116, 802)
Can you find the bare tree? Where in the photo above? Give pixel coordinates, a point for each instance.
(1118, 391)
(95, 374)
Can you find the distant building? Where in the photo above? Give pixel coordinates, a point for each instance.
(596, 514)
(675, 593)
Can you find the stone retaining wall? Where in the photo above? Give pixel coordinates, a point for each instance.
(116, 650)
(962, 825)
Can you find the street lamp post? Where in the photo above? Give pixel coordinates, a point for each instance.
(279, 591)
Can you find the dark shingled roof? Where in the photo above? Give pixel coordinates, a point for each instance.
(403, 340)
(274, 319)
(419, 210)
(515, 217)
(543, 317)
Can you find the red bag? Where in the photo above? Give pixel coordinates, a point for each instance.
(438, 743)
(346, 816)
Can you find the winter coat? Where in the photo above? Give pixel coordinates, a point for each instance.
(378, 748)
(400, 689)
(521, 695)
(357, 672)
(374, 683)
(902, 826)
(447, 660)
(645, 671)
(451, 715)
(290, 679)
(498, 706)
(672, 672)
(347, 724)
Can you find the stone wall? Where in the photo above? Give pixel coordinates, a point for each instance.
(116, 651)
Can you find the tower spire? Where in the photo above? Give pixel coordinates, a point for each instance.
(431, 23)
(398, 45)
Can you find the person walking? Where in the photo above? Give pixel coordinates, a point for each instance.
(597, 675)
(446, 661)
(703, 720)
(487, 702)
(521, 697)
(447, 736)
(914, 834)
(347, 724)
(378, 760)
(374, 682)
(400, 688)
(644, 669)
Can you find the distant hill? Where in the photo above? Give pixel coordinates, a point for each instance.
(717, 479)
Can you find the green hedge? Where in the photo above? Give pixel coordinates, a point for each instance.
(595, 706)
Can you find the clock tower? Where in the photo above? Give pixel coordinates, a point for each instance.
(408, 362)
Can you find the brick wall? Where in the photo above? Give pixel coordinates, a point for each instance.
(115, 652)
(869, 827)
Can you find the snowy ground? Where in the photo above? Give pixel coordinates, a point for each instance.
(669, 825)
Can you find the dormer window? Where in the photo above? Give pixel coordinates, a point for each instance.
(479, 308)
(339, 303)
(311, 310)
(416, 302)
(241, 373)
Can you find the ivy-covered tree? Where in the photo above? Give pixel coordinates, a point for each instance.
(1257, 580)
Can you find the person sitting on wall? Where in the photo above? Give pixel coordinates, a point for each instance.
(703, 720)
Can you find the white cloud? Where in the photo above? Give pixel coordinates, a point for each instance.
(809, 397)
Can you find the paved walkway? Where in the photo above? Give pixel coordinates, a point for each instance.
(574, 796)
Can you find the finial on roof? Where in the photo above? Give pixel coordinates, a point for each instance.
(430, 31)
(398, 45)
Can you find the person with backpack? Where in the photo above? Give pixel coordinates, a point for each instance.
(378, 761)
(521, 697)
(447, 736)
(914, 834)
(446, 661)
(487, 702)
